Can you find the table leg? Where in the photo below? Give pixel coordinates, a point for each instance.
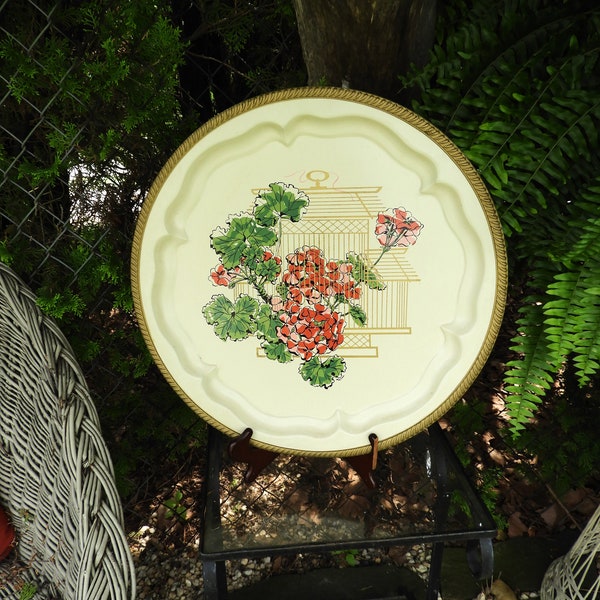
(435, 571)
(214, 571)
(480, 558)
(215, 580)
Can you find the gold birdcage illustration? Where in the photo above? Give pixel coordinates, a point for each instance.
(341, 220)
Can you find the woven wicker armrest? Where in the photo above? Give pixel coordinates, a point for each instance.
(575, 576)
(56, 476)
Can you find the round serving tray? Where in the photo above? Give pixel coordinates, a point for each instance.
(319, 265)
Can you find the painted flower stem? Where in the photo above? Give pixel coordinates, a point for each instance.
(389, 245)
(259, 287)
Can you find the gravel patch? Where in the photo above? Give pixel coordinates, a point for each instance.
(176, 574)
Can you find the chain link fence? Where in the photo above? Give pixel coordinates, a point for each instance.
(94, 97)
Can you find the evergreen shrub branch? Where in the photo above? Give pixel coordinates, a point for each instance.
(95, 95)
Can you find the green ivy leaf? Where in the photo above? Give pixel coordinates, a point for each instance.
(234, 321)
(243, 233)
(351, 559)
(323, 373)
(279, 203)
(5, 254)
(28, 591)
(363, 274)
(277, 351)
(175, 507)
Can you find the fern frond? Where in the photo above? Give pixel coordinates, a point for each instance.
(538, 174)
(530, 117)
(558, 313)
(527, 378)
(587, 333)
(480, 45)
(583, 320)
(510, 71)
(584, 239)
(526, 112)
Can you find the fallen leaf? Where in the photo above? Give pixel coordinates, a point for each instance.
(311, 516)
(497, 457)
(586, 507)
(277, 564)
(387, 505)
(516, 527)
(398, 555)
(400, 501)
(553, 516)
(501, 591)
(574, 497)
(297, 501)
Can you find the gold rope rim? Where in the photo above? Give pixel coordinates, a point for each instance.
(409, 117)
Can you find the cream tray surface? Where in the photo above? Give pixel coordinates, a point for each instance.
(319, 265)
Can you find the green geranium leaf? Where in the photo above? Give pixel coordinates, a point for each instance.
(282, 290)
(243, 233)
(323, 373)
(280, 203)
(253, 254)
(269, 269)
(232, 321)
(217, 309)
(277, 351)
(358, 314)
(267, 323)
(363, 274)
(230, 246)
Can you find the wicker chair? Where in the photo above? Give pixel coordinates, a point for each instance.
(56, 476)
(576, 574)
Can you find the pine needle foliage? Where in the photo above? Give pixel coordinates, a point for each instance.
(516, 85)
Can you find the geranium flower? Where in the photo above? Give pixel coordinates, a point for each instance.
(396, 227)
(277, 303)
(221, 276)
(269, 255)
(316, 278)
(309, 331)
(295, 295)
(294, 311)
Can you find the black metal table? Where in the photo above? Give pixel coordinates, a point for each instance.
(319, 505)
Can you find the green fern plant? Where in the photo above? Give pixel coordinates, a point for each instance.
(515, 84)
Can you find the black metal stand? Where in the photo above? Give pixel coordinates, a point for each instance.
(443, 468)
(258, 459)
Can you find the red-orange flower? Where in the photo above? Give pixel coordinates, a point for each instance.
(221, 276)
(396, 227)
(310, 330)
(309, 272)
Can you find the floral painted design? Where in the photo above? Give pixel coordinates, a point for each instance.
(297, 310)
(396, 227)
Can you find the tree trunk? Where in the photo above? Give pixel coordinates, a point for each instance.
(365, 44)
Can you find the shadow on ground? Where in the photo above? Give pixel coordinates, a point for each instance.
(519, 562)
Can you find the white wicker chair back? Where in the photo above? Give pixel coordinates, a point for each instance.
(56, 476)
